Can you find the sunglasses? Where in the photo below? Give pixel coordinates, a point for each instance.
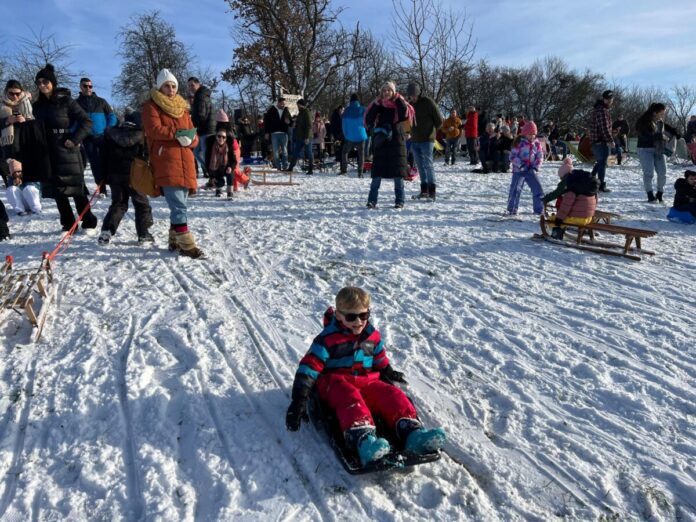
(14, 93)
(41, 82)
(85, 86)
(221, 136)
(350, 318)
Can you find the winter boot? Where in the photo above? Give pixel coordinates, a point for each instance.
(557, 233)
(424, 193)
(229, 194)
(418, 439)
(104, 238)
(172, 240)
(218, 192)
(291, 166)
(651, 197)
(369, 446)
(432, 189)
(603, 187)
(658, 196)
(187, 245)
(4, 232)
(145, 238)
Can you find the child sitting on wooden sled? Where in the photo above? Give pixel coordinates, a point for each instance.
(526, 156)
(684, 208)
(349, 365)
(576, 198)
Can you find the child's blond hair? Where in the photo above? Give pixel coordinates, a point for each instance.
(352, 298)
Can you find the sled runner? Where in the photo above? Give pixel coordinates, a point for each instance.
(325, 421)
(267, 173)
(27, 292)
(586, 239)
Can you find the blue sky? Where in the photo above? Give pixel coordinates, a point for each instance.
(631, 42)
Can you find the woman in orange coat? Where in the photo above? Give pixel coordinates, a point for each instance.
(171, 138)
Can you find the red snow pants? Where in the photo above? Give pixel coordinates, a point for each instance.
(356, 398)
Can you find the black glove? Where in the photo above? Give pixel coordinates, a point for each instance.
(297, 411)
(390, 375)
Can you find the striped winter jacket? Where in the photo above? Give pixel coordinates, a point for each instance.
(338, 350)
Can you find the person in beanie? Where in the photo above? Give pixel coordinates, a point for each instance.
(202, 116)
(386, 116)
(348, 364)
(66, 125)
(23, 196)
(354, 133)
(171, 139)
(425, 124)
(526, 157)
(121, 146)
(103, 117)
(600, 136)
(302, 138)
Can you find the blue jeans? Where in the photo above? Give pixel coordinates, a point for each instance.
(652, 162)
(451, 149)
(517, 184)
(199, 153)
(423, 156)
(398, 190)
(279, 142)
(176, 198)
(601, 153)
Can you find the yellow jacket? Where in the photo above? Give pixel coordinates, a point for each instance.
(452, 127)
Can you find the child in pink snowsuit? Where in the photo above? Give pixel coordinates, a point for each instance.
(526, 157)
(349, 365)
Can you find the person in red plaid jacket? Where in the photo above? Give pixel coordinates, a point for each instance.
(600, 135)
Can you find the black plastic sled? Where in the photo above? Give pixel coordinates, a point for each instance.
(326, 421)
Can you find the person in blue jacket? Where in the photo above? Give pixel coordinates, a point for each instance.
(103, 117)
(354, 133)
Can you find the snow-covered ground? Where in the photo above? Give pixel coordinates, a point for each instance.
(566, 380)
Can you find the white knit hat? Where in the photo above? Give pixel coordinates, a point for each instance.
(165, 76)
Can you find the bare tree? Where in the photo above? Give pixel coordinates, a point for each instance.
(681, 104)
(431, 42)
(148, 44)
(290, 45)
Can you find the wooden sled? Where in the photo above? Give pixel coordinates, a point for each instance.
(27, 292)
(266, 173)
(586, 239)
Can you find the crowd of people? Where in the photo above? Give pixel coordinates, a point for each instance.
(47, 144)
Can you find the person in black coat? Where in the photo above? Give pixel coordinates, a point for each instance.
(387, 115)
(246, 137)
(66, 126)
(336, 131)
(121, 146)
(685, 193)
(203, 118)
(276, 124)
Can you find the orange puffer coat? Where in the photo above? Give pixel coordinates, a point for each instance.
(576, 206)
(452, 127)
(172, 164)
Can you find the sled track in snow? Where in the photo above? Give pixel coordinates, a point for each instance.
(186, 283)
(15, 468)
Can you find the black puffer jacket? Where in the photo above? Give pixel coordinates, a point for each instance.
(30, 148)
(389, 158)
(121, 145)
(63, 119)
(202, 112)
(685, 194)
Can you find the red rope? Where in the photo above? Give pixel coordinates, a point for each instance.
(64, 243)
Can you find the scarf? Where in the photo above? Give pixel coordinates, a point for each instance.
(23, 106)
(391, 104)
(174, 107)
(218, 157)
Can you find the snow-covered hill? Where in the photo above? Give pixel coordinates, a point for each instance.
(566, 380)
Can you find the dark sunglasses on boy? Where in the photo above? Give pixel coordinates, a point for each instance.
(14, 93)
(363, 316)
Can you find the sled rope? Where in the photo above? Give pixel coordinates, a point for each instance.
(65, 241)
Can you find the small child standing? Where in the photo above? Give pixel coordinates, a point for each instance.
(526, 156)
(349, 365)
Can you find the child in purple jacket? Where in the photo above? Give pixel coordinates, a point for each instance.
(526, 157)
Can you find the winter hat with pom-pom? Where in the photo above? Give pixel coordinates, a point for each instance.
(566, 168)
(221, 116)
(47, 73)
(166, 76)
(528, 128)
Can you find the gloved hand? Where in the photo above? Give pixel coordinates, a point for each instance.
(297, 412)
(184, 141)
(389, 374)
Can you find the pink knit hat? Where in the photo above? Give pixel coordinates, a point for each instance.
(14, 166)
(221, 116)
(566, 168)
(529, 127)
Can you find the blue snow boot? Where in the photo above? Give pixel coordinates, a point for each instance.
(418, 439)
(370, 447)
